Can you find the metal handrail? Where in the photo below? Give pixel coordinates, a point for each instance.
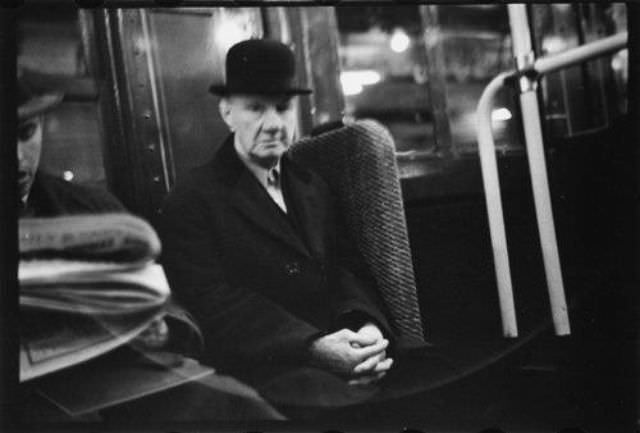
(488, 162)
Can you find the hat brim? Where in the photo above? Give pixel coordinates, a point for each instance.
(223, 90)
(39, 105)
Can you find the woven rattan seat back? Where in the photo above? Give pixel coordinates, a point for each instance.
(359, 164)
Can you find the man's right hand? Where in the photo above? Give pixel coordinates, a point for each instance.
(344, 350)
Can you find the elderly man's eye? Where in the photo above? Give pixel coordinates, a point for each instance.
(26, 131)
(284, 106)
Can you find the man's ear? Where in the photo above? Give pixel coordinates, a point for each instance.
(225, 111)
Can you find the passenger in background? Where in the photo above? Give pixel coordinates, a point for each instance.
(211, 397)
(41, 194)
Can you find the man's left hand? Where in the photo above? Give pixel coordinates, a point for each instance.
(154, 337)
(370, 329)
(374, 368)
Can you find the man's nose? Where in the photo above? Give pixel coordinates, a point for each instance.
(20, 152)
(272, 119)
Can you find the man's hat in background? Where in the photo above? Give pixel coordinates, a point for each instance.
(260, 67)
(32, 100)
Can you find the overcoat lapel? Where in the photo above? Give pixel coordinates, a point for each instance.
(251, 200)
(308, 204)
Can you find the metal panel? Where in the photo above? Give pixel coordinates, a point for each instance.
(297, 19)
(137, 155)
(102, 62)
(312, 32)
(189, 112)
(322, 47)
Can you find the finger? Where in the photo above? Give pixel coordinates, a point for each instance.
(361, 339)
(369, 351)
(384, 366)
(367, 365)
(155, 336)
(370, 329)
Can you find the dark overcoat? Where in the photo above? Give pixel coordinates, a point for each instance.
(262, 284)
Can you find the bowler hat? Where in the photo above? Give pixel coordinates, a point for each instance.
(32, 102)
(259, 66)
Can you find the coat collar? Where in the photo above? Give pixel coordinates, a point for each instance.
(249, 198)
(227, 166)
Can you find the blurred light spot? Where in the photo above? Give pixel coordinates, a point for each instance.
(554, 44)
(500, 114)
(562, 7)
(68, 175)
(141, 45)
(619, 60)
(616, 63)
(354, 81)
(399, 41)
(229, 32)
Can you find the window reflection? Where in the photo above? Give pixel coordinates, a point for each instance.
(382, 60)
(420, 70)
(591, 95)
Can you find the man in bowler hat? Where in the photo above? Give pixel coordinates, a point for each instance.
(255, 248)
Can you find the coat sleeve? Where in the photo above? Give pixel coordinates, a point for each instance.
(237, 323)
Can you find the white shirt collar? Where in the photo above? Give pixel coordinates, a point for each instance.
(261, 173)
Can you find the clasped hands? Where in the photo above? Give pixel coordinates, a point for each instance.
(360, 356)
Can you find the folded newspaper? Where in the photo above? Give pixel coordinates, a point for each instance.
(110, 237)
(88, 284)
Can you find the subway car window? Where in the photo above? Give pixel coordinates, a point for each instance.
(475, 43)
(587, 97)
(420, 71)
(383, 73)
(52, 51)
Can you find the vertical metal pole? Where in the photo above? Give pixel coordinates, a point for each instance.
(523, 53)
(493, 200)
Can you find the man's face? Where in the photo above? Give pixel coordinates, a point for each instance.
(264, 126)
(29, 148)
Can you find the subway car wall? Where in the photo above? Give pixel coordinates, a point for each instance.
(137, 116)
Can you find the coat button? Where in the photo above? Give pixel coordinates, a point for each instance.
(292, 268)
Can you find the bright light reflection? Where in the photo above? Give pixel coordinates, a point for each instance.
(619, 60)
(399, 41)
(554, 44)
(67, 175)
(228, 33)
(500, 114)
(354, 81)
